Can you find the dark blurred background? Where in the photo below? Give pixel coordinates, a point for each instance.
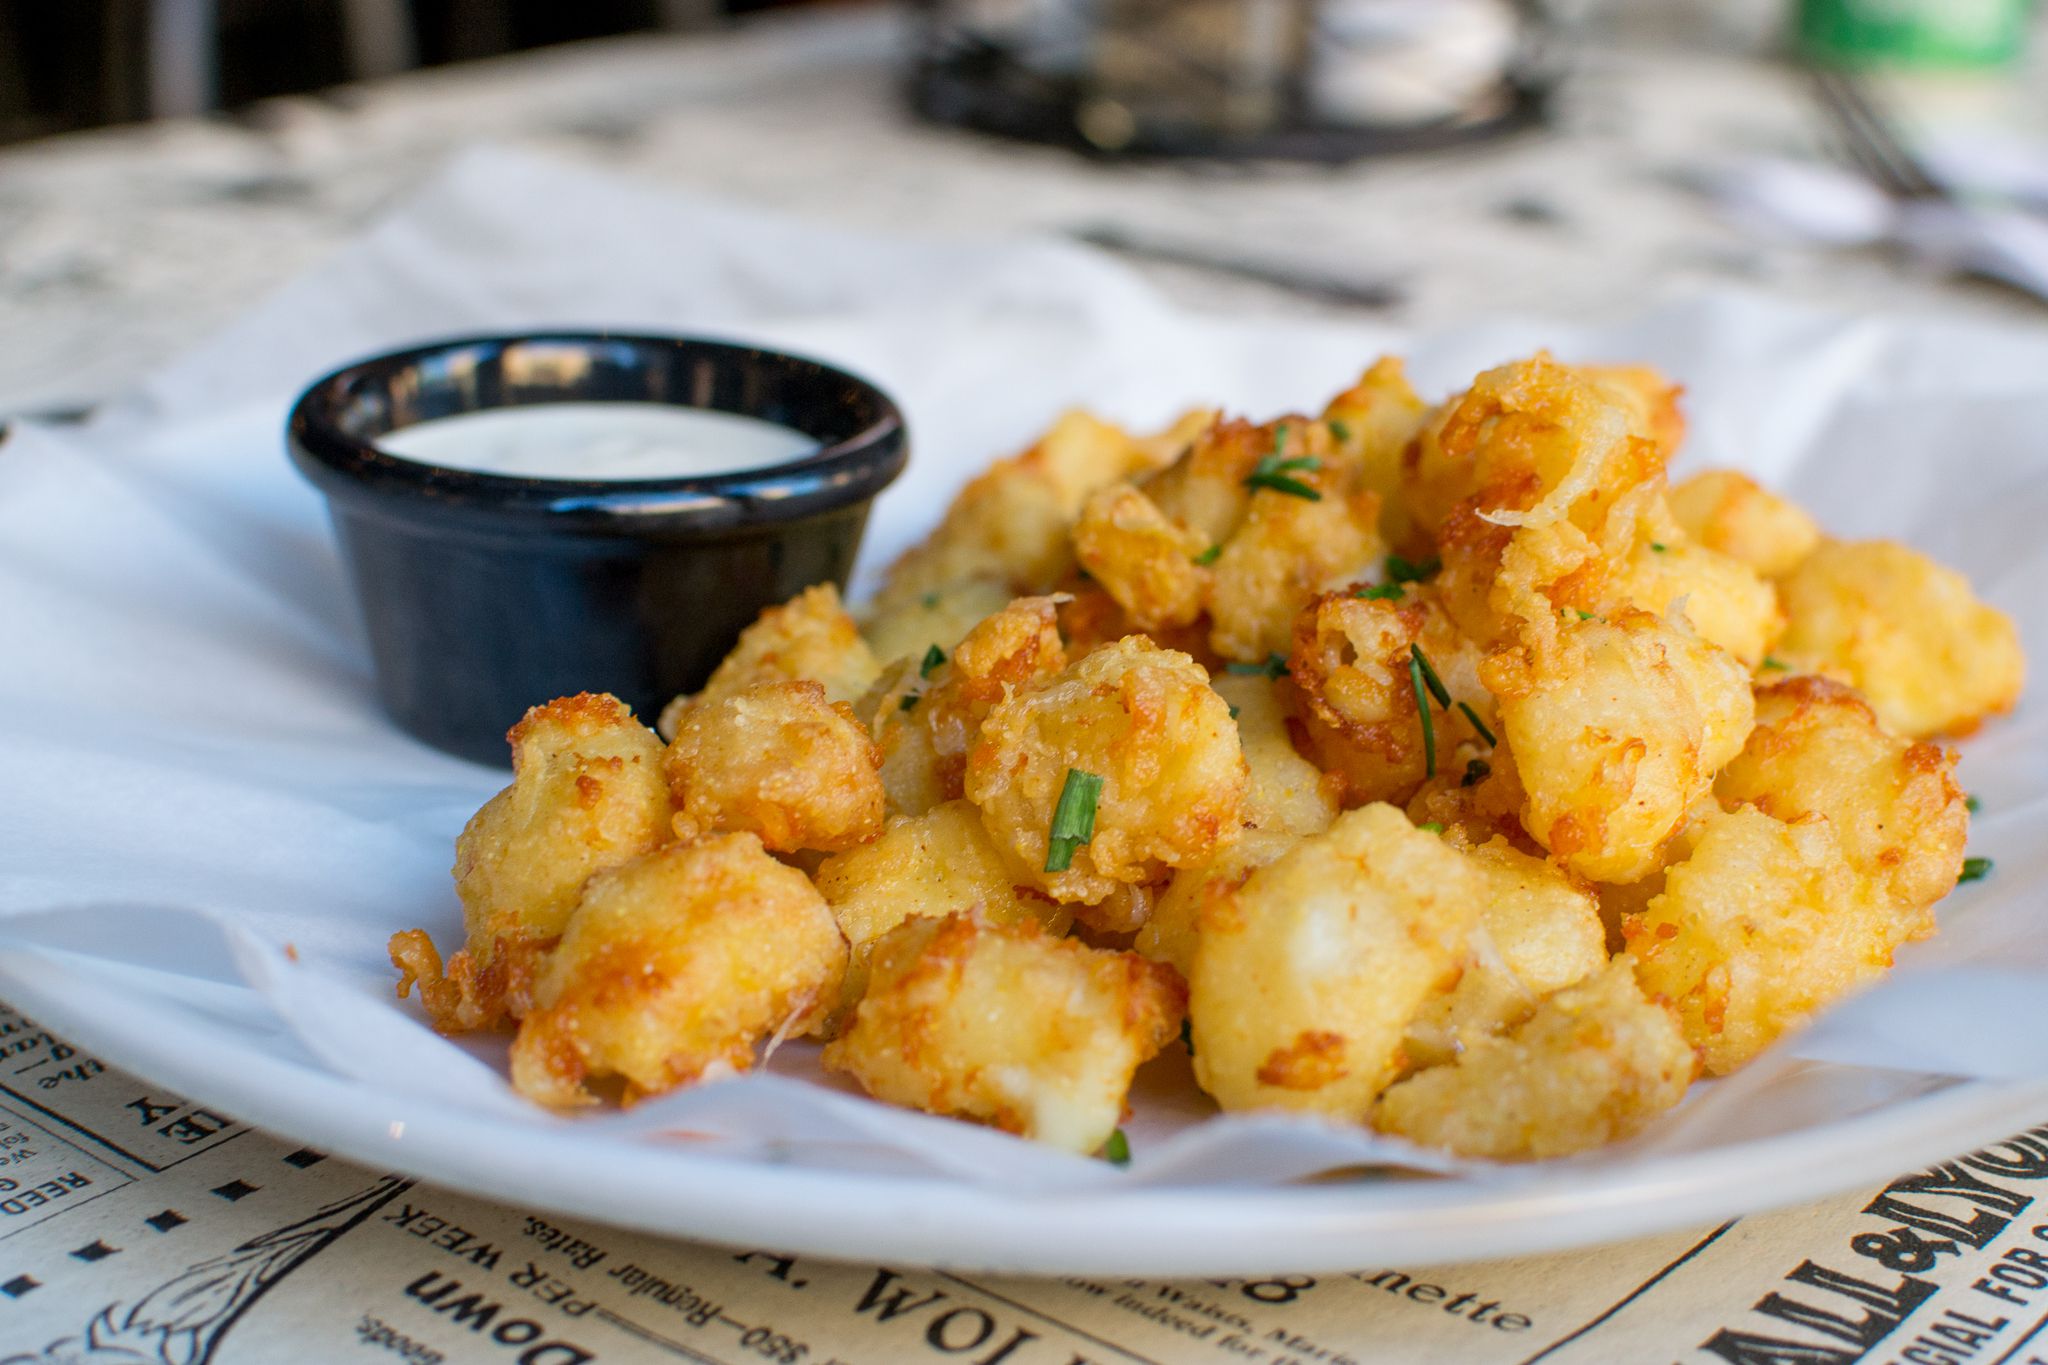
(67, 64)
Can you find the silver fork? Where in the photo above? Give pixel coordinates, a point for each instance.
(1931, 218)
(1870, 140)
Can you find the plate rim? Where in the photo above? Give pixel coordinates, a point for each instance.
(1149, 1230)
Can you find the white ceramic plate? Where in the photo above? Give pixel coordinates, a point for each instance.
(1329, 1225)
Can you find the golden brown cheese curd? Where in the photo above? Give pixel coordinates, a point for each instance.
(1170, 932)
(1905, 632)
(1893, 803)
(587, 794)
(1307, 976)
(1726, 602)
(1612, 749)
(1652, 399)
(1538, 932)
(1287, 792)
(932, 865)
(1008, 1025)
(941, 617)
(1350, 664)
(808, 638)
(778, 760)
(1732, 513)
(926, 726)
(1150, 565)
(1288, 548)
(1594, 1064)
(1531, 443)
(1760, 924)
(1146, 722)
(674, 968)
(1011, 523)
(1372, 422)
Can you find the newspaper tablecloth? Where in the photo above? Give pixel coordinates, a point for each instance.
(138, 1228)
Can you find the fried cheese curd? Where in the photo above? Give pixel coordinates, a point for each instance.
(810, 638)
(1728, 511)
(1307, 976)
(932, 865)
(1905, 632)
(1451, 771)
(587, 794)
(1761, 923)
(674, 968)
(780, 761)
(1614, 745)
(1008, 1025)
(1145, 721)
(1594, 1064)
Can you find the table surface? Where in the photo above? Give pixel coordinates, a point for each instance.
(121, 247)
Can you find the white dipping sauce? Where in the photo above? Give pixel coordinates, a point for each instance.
(599, 441)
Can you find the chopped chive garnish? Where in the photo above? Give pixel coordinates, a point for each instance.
(1401, 570)
(1434, 827)
(1659, 546)
(1771, 661)
(931, 599)
(1117, 1151)
(1584, 615)
(1233, 710)
(933, 657)
(1073, 819)
(1436, 684)
(1385, 592)
(1274, 667)
(1421, 690)
(908, 703)
(1478, 724)
(1208, 556)
(1187, 1036)
(1477, 770)
(1975, 870)
(1339, 428)
(1972, 804)
(1278, 474)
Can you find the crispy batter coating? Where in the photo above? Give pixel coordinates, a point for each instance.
(1894, 805)
(1594, 1064)
(810, 637)
(1008, 1025)
(1612, 751)
(1288, 548)
(1141, 558)
(586, 794)
(1533, 442)
(1307, 976)
(1905, 632)
(1653, 399)
(932, 864)
(1539, 931)
(1761, 924)
(1726, 601)
(673, 968)
(1373, 421)
(1350, 665)
(1287, 792)
(1732, 513)
(1011, 523)
(924, 743)
(941, 616)
(1169, 934)
(778, 760)
(1143, 719)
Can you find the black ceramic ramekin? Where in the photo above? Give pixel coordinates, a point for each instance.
(485, 594)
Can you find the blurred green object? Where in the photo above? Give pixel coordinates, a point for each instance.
(1921, 33)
